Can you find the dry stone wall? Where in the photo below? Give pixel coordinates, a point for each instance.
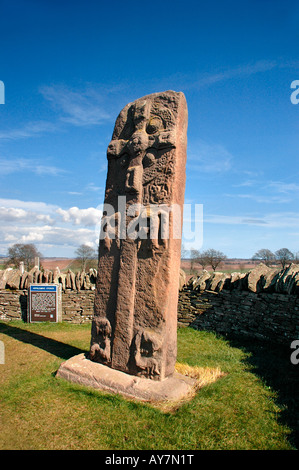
(77, 306)
(263, 303)
(13, 305)
(13, 279)
(77, 293)
(259, 279)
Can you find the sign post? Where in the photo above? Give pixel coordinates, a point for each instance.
(44, 303)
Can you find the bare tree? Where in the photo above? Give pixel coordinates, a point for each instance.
(184, 252)
(203, 260)
(26, 252)
(284, 256)
(194, 254)
(264, 255)
(212, 258)
(85, 254)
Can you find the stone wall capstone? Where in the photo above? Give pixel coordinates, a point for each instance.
(261, 278)
(13, 279)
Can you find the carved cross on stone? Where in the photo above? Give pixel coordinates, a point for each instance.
(134, 327)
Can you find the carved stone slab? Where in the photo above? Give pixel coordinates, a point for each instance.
(134, 328)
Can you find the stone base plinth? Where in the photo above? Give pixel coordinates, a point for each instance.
(85, 372)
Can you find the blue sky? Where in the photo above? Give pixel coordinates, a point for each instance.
(69, 67)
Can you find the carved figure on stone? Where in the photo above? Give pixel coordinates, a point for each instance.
(147, 353)
(100, 348)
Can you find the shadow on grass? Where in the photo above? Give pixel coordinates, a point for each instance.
(271, 362)
(52, 346)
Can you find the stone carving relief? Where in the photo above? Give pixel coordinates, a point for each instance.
(136, 283)
(100, 350)
(148, 353)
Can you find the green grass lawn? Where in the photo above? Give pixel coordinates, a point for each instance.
(41, 411)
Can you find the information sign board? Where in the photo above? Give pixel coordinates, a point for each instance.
(44, 303)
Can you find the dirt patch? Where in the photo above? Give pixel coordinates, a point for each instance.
(52, 263)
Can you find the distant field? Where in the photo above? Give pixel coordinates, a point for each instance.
(229, 266)
(52, 263)
(68, 263)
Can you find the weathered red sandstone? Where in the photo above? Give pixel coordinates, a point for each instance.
(134, 329)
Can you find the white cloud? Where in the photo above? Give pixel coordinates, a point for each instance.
(16, 165)
(272, 220)
(79, 108)
(32, 237)
(13, 214)
(275, 191)
(58, 232)
(48, 226)
(283, 187)
(10, 238)
(84, 108)
(85, 217)
(32, 129)
(93, 187)
(247, 183)
(35, 206)
(241, 71)
(206, 157)
(47, 236)
(261, 199)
